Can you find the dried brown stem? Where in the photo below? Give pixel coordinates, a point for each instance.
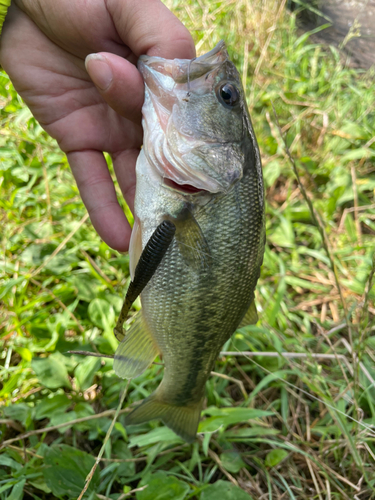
(92, 354)
(98, 458)
(216, 459)
(96, 267)
(107, 413)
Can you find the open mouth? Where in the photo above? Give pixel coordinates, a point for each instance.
(183, 188)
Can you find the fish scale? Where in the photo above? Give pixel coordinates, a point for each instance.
(204, 284)
(192, 313)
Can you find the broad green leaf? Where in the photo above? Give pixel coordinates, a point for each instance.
(66, 469)
(115, 300)
(155, 436)
(8, 285)
(24, 353)
(51, 372)
(211, 424)
(20, 174)
(48, 407)
(80, 410)
(34, 254)
(87, 286)
(17, 490)
(62, 418)
(86, 371)
(7, 485)
(232, 461)
(283, 235)
(162, 486)
(206, 442)
(229, 416)
(224, 490)
(267, 380)
(6, 461)
(102, 314)
(21, 412)
(121, 429)
(271, 172)
(309, 285)
(40, 484)
(121, 450)
(275, 456)
(357, 154)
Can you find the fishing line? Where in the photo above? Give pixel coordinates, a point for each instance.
(365, 426)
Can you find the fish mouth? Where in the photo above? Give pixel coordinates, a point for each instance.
(179, 155)
(186, 189)
(183, 70)
(169, 80)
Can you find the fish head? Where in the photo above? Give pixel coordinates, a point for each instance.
(194, 120)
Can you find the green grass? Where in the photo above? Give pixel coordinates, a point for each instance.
(276, 427)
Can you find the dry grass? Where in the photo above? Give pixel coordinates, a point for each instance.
(303, 419)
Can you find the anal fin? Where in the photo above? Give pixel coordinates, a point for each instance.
(137, 350)
(183, 420)
(251, 316)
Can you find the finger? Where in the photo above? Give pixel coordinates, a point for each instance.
(79, 27)
(149, 27)
(124, 166)
(99, 196)
(119, 82)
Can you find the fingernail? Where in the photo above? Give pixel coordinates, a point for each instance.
(99, 70)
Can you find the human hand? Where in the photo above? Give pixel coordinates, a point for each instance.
(44, 44)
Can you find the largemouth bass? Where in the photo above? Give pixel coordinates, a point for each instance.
(198, 239)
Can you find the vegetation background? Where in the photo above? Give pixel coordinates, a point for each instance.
(295, 422)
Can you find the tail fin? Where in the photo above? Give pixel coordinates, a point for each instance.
(183, 420)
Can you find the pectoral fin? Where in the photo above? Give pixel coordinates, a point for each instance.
(137, 350)
(191, 241)
(148, 262)
(251, 316)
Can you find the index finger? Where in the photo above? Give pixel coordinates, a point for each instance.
(149, 27)
(99, 196)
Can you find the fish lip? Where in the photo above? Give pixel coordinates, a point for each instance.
(218, 48)
(182, 70)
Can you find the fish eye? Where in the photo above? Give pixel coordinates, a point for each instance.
(228, 95)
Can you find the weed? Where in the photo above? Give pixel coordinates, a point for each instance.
(294, 422)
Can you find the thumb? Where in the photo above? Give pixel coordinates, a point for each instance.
(149, 27)
(119, 82)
